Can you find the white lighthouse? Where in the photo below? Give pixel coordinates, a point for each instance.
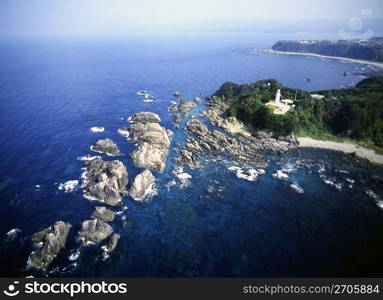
(281, 106)
(278, 97)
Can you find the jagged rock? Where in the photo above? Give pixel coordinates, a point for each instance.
(176, 118)
(174, 108)
(153, 142)
(105, 181)
(94, 231)
(197, 99)
(106, 146)
(103, 214)
(142, 186)
(52, 239)
(196, 127)
(186, 106)
(145, 117)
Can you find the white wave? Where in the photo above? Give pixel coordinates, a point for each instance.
(371, 194)
(97, 129)
(249, 174)
(289, 170)
(13, 232)
(350, 180)
(148, 100)
(234, 168)
(379, 203)
(88, 157)
(68, 186)
(170, 184)
(296, 187)
(280, 175)
(102, 152)
(123, 132)
(74, 255)
(338, 186)
(184, 175)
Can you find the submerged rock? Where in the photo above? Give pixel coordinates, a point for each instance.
(143, 186)
(94, 231)
(105, 181)
(53, 239)
(103, 214)
(106, 146)
(152, 140)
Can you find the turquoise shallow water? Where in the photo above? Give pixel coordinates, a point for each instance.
(53, 91)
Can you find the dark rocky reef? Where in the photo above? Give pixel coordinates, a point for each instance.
(106, 146)
(105, 181)
(53, 239)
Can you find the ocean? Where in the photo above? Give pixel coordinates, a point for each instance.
(52, 91)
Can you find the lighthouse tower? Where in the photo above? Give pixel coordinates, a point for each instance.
(278, 97)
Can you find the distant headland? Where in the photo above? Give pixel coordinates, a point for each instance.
(361, 51)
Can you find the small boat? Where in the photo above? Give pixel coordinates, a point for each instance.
(307, 79)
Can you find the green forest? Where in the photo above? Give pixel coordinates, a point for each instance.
(354, 113)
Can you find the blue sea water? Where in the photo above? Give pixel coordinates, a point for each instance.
(53, 91)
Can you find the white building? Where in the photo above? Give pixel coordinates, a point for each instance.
(282, 105)
(317, 96)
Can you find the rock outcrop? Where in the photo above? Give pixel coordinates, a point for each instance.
(217, 143)
(103, 214)
(105, 181)
(94, 231)
(152, 140)
(143, 186)
(106, 146)
(184, 106)
(51, 239)
(145, 117)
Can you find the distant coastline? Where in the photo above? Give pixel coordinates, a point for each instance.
(360, 61)
(344, 147)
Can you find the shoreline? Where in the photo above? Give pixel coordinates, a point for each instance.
(359, 151)
(360, 61)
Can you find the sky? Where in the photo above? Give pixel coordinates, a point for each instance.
(119, 17)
